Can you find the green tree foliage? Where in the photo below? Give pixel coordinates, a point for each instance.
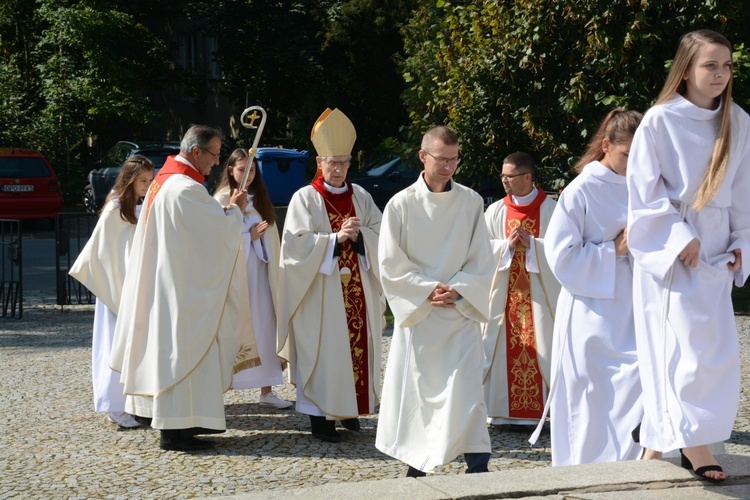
(362, 44)
(70, 69)
(539, 75)
(297, 57)
(267, 53)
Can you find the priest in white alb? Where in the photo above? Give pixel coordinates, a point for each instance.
(331, 305)
(184, 319)
(518, 336)
(435, 266)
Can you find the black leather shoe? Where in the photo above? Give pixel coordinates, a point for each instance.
(412, 472)
(636, 433)
(144, 421)
(351, 424)
(192, 431)
(172, 441)
(323, 429)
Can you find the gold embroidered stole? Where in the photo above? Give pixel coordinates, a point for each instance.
(340, 208)
(525, 382)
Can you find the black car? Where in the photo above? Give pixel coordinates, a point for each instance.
(387, 176)
(104, 174)
(490, 191)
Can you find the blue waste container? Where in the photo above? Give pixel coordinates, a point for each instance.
(283, 172)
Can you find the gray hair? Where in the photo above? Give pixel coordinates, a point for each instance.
(200, 136)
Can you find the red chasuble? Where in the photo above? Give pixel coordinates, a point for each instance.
(525, 382)
(339, 208)
(171, 167)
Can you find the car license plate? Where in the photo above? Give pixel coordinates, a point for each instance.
(18, 188)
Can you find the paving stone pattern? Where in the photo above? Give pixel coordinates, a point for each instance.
(53, 445)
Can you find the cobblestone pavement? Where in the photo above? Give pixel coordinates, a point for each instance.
(53, 445)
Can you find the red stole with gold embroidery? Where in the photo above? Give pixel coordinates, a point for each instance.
(525, 382)
(339, 208)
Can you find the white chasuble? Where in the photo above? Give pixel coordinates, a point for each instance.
(432, 408)
(313, 331)
(595, 400)
(684, 320)
(518, 351)
(184, 313)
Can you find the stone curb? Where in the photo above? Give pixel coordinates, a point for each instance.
(657, 479)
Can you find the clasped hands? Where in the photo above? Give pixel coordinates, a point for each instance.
(349, 230)
(519, 235)
(443, 296)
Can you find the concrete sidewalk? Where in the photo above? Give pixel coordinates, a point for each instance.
(657, 480)
(53, 445)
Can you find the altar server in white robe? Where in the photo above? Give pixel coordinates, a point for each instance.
(595, 397)
(689, 233)
(436, 266)
(184, 318)
(262, 247)
(100, 267)
(518, 336)
(331, 319)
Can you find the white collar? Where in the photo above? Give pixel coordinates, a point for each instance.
(687, 108)
(334, 189)
(184, 160)
(527, 199)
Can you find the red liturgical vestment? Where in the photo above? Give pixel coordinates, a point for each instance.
(340, 207)
(525, 382)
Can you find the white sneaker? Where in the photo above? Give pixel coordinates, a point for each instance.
(123, 419)
(272, 400)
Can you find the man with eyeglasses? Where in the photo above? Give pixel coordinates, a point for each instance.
(435, 267)
(331, 305)
(183, 315)
(518, 337)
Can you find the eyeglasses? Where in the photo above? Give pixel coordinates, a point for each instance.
(509, 176)
(209, 152)
(337, 164)
(445, 161)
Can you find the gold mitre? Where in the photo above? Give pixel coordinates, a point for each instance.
(333, 134)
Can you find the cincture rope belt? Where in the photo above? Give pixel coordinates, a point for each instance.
(667, 428)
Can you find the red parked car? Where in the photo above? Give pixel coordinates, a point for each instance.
(29, 188)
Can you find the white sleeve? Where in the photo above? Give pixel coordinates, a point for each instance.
(584, 268)
(656, 232)
(259, 246)
(326, 267)
(531, 263)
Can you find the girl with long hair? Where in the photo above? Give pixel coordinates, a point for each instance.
(101, 268)
(262, 249)
(595, 399)
(688, 229)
